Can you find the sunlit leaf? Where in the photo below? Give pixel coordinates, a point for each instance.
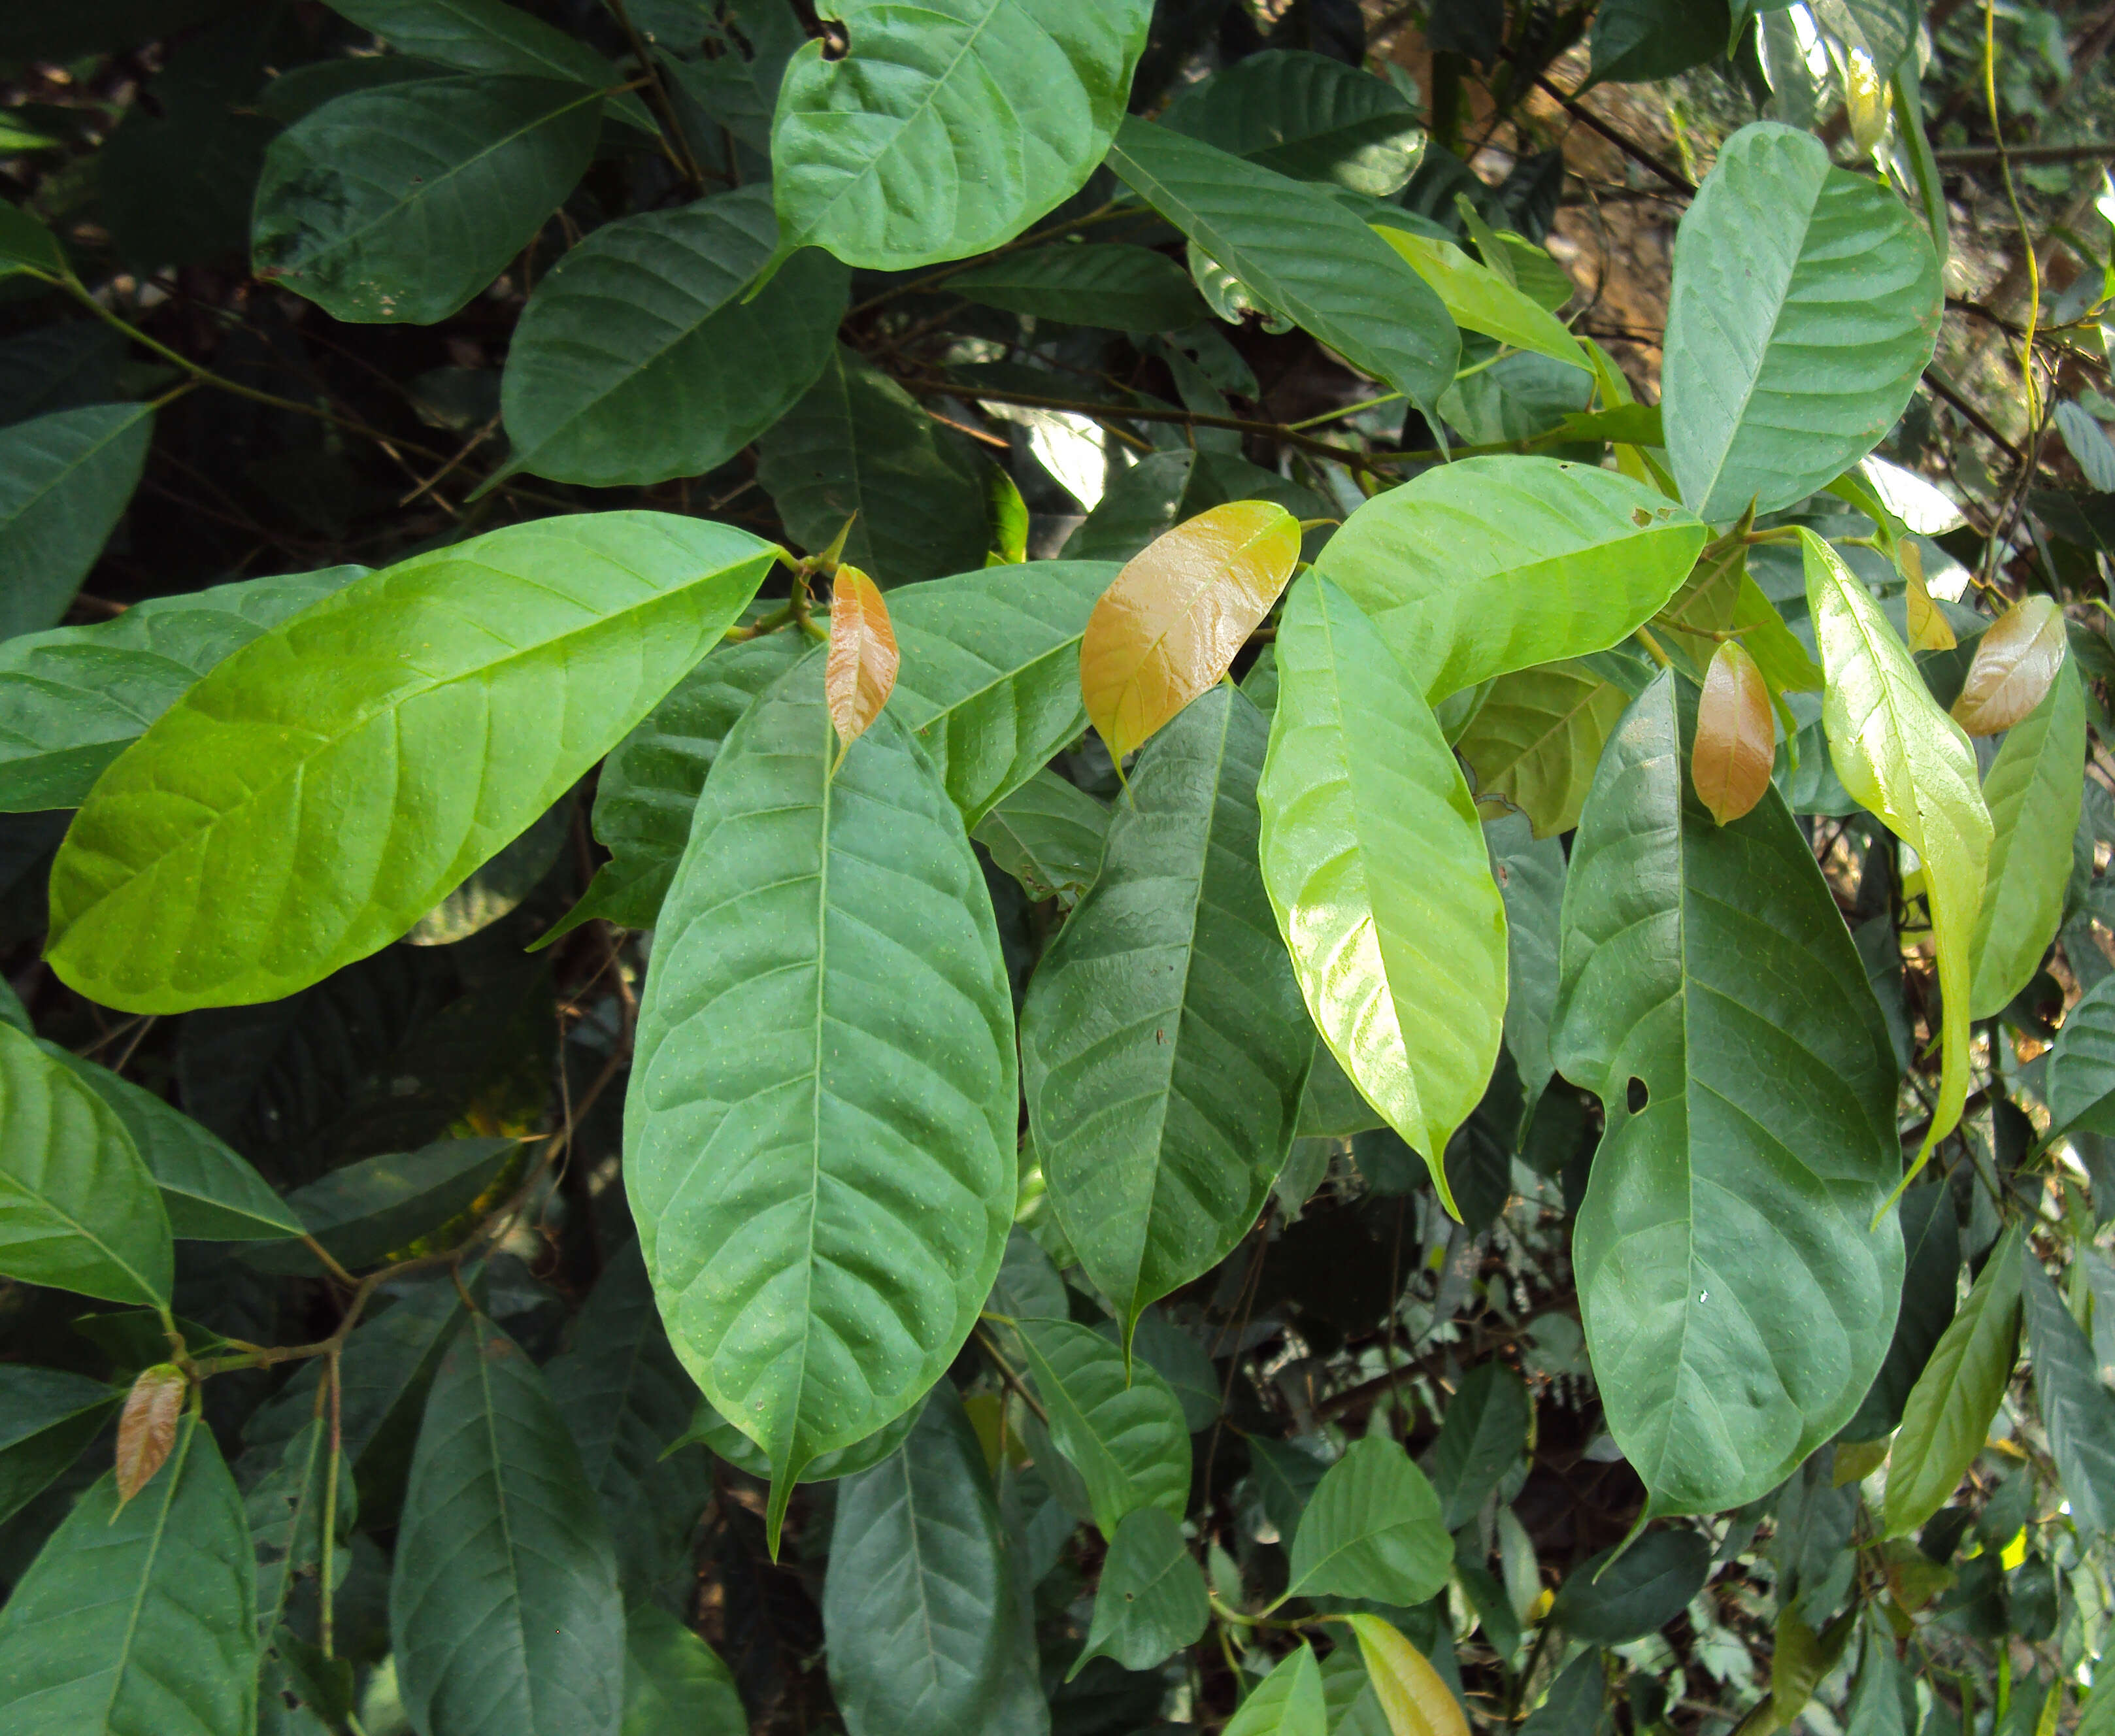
(1481, 300)
(1928, 628)
(1532, 747)
(859, 673)
(147, 1426)
(2016, 661)
(1736, 735)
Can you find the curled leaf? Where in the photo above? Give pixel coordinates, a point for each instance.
(859, 673)
(147, 1427)
(1170, 625)
(1929, 630)
(1415, 1699)
(2016, 660)
(1736, 735)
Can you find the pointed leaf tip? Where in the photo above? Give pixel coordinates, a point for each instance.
(147, 1427)
(860, 672)
(1171, 624)
(1415, 1699)
(1736, 735)
(2016, 661)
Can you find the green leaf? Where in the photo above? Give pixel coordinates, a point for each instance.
(400, 203)
(1611, 1602)
(1169, 487)
(1164, 1045)
(1899, 754)
(284, 1510)
(1114, 285)
(1371, 1529)
(1300, 254)
(1179, 1359)
(713, 1432)
(2034, 790)
(78, 1209)
(947, 132)
(1805, 304)
(857, 447)
(637, 359)
(1482, 1436)
(1490, 565)
(1638, 42)
(1376, 868)
(1028, 1286)
(1289, 1701)
(210, 1193)
(1530, 876)
(540, 646)
(1535, 741)
(26, 245)
(1931, 1270)
(47, 1417)
(1737, 1295)
(625, 1397)
(65, 480)
(1048, 835)
(922, 1609)
(1125, 1437)
(504, 1614)
(675, 1684)
(72, 698)
(1306, 116)
(1885, 29)
(738, 87)
(2078, 1411)
(1151, 1601)
(1482, 301)
(1947, 1415)
(817, 1290)
(1577, 1704)
(2081, 1064)
(367, 1211)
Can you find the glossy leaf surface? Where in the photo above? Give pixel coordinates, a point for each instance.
(503, 1606)
(1125, 1436)
(65, 480)
(1165, 1046)
(834, 933)
(2016, 661)
(859, 673)
(1736, 735)
(1375, 865)
(347, 789)
(1371, 1529)
(1736, 1298)
(1805, 303)
(1151, 1601)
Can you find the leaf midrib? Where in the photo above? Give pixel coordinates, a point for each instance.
(175, 1467)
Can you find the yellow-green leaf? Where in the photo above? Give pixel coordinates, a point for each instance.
(1481, 300)
(1413, 1697)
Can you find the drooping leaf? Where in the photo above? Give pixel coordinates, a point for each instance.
(860, 672)
(941, 135)
(46, 1417)
(138, 1618)
(1150, 1600)
(1736, 735)
(1947, 1417)
(347, 789)
(637, 359)
(1737, 1295)
(1307, 115)
(399, 203)
(2078, 1411)
(368, 1211)
(921, 1609)
(857, 447)
(1900, 755)
(625, 1398)
(1164, 1045)
(1482, 301)
(72, 698)
(1611, 1602)
(65, 479)
(1371, 1529)
(504, 1614)
(1376, 868)
(1300, 253)
(1125, 1436)
(2034, 791)
(210, 1193)
(78, 1209)
(1287, 1702)
(837, 929)
(1170, 625)
(1415, 1699)
(1489, 565)
(1482, 1436)
(675, 1684)
(1534, 743)
(147, 1427)
(1048, 835)
(1805, 303)
(1113, 285)
(1931, 1269)
(2015, 662)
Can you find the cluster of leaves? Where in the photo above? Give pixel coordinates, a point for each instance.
(1019, 1047)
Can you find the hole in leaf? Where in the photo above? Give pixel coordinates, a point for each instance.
(1639, 1096)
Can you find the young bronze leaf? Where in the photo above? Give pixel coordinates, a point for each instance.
(1736, 735)
(2016, 660)
(147, 1427)
(1170, 625)
(859, 673)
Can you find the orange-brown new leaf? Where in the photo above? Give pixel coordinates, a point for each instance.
(859, 671)
(1170, 625)
(1736, 735)
(2016, 660)
(147, 1427)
